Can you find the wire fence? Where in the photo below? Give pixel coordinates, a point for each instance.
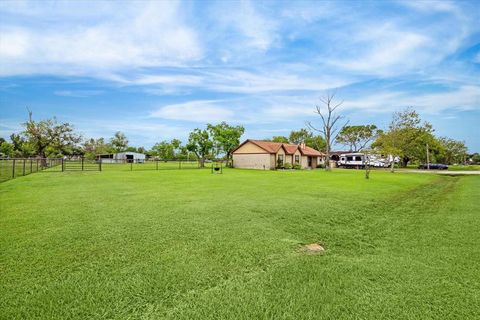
(16, 167)
(11, 168)
(151, 164)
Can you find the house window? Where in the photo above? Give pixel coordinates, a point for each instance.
(297, 158)
(280, 157)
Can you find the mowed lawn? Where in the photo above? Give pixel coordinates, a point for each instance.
(188, 244)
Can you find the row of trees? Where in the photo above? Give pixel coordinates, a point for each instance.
(49, 138)
(407, 137)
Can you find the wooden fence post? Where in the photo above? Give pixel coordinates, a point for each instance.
(24, 166)
(13, 169)
(82, 163)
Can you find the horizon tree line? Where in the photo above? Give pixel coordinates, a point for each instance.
(407, 136)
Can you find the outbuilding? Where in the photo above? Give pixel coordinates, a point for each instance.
(122, 157)
(260, 154)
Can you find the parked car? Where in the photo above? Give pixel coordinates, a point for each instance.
(433, 166)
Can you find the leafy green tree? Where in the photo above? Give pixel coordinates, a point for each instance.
(199, 142)
(281, 139)
(451, 151)
(6, 149)
(305, 136)
(297, 137)
(93, 147)
(50, 136)
(475, 158)
(119, 142)
(176, 144)
(407, 137)
(225, 138)
(21, 147)
(357, 137)
(164, 150)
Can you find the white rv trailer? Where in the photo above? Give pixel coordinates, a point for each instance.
(359, 160)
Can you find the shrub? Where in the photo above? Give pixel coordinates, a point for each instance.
(279, 164)
(297, 166)
(288, 166)
(321, 166)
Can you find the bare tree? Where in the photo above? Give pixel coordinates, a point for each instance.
(329, 128)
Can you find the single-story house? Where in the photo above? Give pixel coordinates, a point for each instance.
(122, 157)
(259, 154)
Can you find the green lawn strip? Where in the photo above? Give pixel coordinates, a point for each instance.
(187, 243)
(405, 276)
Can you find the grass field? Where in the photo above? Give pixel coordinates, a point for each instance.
(187, 244)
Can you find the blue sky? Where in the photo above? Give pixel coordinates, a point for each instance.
(156, 70)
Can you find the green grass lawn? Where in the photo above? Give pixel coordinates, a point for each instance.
(187, 244)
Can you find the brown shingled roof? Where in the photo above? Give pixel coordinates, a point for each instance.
(273, 147)
(307, 151)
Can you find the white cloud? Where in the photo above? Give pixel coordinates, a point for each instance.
(138, 35)
(202, 111)
(77, 93)
(463, 98)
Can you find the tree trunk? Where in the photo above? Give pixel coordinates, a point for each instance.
(327, 152)
(202, 162)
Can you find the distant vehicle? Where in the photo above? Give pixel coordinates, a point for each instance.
(358, 160)
(433, 166)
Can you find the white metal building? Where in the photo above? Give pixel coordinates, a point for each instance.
(122, 157)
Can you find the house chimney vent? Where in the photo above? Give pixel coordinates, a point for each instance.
(302, 145)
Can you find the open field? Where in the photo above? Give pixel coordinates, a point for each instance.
(187, 244)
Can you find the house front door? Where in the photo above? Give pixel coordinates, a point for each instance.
(309, 160)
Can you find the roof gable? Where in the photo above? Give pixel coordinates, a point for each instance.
(273, 147)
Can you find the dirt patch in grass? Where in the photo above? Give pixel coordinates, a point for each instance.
(313, 248)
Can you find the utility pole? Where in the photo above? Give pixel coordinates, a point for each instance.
(428, 159)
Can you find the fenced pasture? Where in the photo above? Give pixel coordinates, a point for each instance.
(17, 167)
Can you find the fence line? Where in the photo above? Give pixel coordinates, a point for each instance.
(150, 164)
(11, 168)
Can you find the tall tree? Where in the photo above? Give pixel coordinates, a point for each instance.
(357, 137)
(119, 142)
(225, 138)
(329, 124)
(407, 137)
(451, 151)
(199, 142)
(297, 137)
(176, 144)
(305, 136)
(93, 147)
(49, 135)
(164, 150)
